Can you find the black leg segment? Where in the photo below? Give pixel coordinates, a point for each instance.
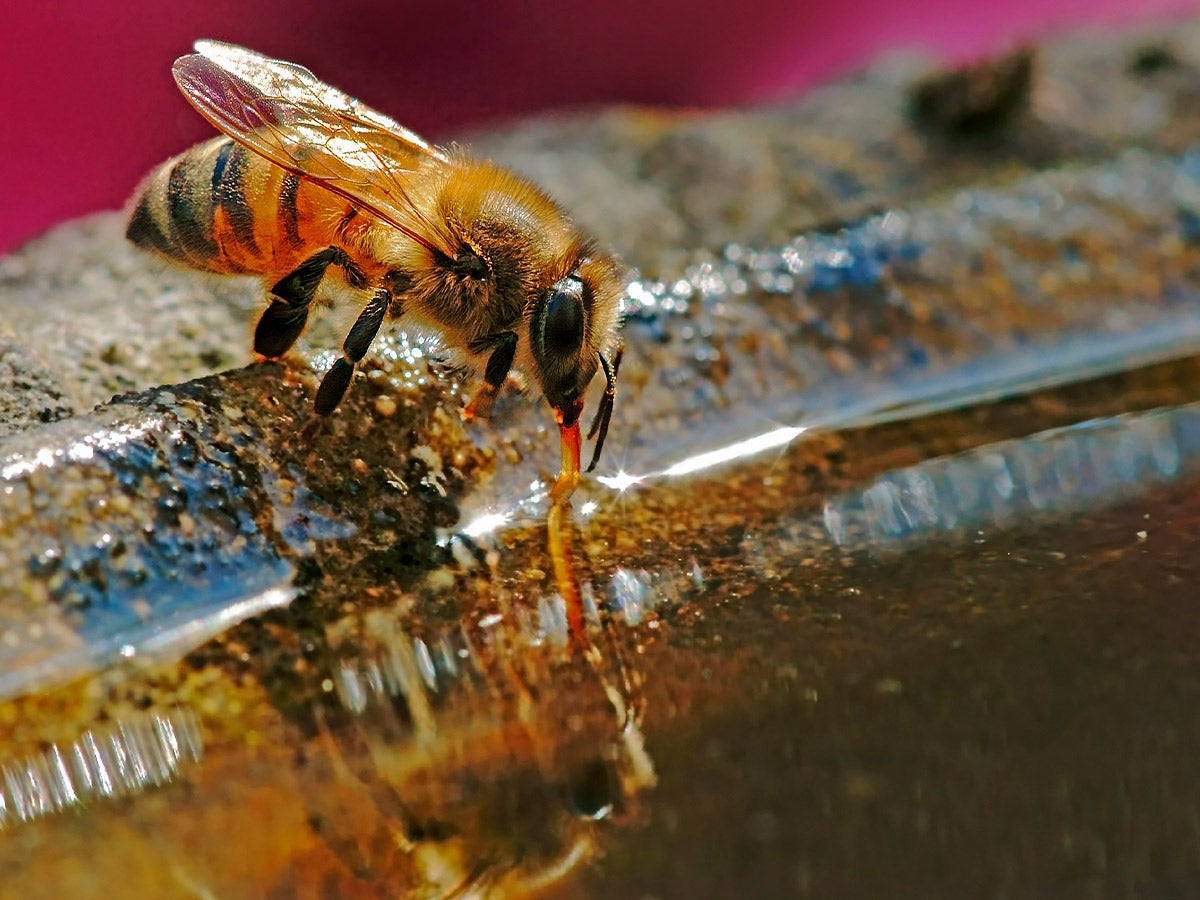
(599, 429)
(501, 347)
(333, 387)
(298, 288)
(278, 327)
(501, 360)
(358, 341)
(366, 326)
(284, 319)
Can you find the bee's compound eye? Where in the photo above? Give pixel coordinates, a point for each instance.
(562, 321)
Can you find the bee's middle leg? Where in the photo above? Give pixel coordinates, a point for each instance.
(354, 348)
(291, 296)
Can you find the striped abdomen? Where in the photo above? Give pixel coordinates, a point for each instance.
(223, 208)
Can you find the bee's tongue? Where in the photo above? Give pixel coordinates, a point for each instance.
(556, 527)
(568, 475)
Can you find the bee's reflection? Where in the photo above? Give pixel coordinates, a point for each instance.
(482, 758)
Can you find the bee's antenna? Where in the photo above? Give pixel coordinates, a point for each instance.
(599, 429)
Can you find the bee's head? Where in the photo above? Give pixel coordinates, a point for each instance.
(563, 350)
(571, 329)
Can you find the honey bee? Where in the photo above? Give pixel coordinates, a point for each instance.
(307, 184)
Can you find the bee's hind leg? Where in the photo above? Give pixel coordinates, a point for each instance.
(292, 295)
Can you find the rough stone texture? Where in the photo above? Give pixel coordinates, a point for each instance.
(103, 318)
(34, 396)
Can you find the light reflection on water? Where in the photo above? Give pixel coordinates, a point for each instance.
(1058, 472)
(459, 732)
(136, 754)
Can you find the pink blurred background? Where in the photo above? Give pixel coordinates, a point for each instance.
(88, 104)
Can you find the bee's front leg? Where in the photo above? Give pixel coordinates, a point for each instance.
(599, 429)
(503, 347)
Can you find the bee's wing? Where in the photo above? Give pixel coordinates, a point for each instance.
(286, 80)
(286, 114)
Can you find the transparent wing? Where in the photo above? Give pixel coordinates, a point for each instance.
(285, 113)
(289, 81)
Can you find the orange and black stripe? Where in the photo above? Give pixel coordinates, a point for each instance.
(229, 194)
(222, 208)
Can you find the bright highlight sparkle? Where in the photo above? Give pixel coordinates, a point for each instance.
(622, 481)
(749, 447)
(81, 451)
(486, 524)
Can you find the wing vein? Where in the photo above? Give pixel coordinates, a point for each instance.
(287, 115)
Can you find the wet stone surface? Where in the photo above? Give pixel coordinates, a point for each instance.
(885, 575)
(141, 521)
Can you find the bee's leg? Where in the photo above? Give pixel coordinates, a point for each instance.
(282, 321)
(599, 429)
(503, 347)
(354, 348)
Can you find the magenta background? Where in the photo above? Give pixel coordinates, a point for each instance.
(87, 104)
